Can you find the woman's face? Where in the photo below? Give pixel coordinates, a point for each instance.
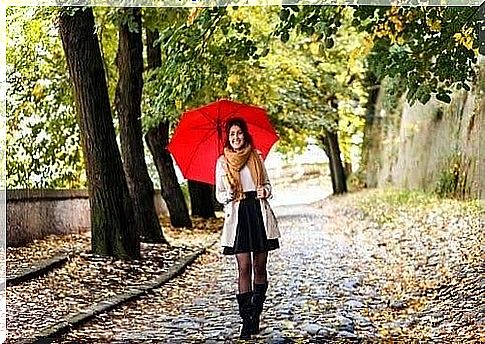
(236, 137)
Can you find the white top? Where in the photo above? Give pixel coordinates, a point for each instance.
(246, 179)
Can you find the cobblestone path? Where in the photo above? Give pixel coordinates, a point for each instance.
(315, 292)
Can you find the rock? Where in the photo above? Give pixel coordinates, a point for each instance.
(343, 321)
(346, 334)
(214, 334)
(351, 283)
(362, 321)
(344, 324)
(398, 305)
(200, 302)
(187, 325)
(354, 304)
(325, 331)
(312, 329)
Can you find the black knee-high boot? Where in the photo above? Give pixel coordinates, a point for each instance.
(246, 312)
(259, 296)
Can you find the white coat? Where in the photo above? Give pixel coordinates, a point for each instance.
(231, 208)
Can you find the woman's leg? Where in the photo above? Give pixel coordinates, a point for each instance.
(259, 265)
(244, 266)
(260, 287)
(244, 298)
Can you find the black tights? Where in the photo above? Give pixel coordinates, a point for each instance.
(245, 268)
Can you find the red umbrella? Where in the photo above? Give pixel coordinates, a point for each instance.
(199, 137)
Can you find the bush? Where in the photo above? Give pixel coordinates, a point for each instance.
(452, 179)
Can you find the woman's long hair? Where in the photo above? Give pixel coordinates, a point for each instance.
(241, 123)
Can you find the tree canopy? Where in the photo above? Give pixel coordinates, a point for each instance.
(424, 50)
(306, 64)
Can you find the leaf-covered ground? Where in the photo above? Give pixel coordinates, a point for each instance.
(428, 255)
(385, 266)
(87, 278)
(375, 266)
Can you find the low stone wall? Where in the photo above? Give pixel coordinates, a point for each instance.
(34, 214)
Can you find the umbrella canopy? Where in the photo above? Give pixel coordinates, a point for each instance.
(199, 137)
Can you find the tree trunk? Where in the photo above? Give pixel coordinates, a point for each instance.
(347, 168)
(337, 172)
(129, 61)
(112, 223)
(157, 141)
(201, 199)
(326, 148)
(371, 122)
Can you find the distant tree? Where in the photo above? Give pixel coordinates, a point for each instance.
(157, 138)
(128, 107)
(201, 199)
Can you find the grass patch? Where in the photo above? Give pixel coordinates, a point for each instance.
(388, 205)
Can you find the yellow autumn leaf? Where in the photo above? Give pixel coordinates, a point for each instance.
(434, 25)
(178, 104)
(38, 91)
(465, 38)
(233, 79)
(194, 13)
(468, 31)
(457, 36)
(314, 48)
(468, 43)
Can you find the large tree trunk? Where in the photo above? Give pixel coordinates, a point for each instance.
(157, 141)
(112, 222)
(129, 61)
(201, 199)
(337, 171)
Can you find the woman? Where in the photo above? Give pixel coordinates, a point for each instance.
(250, 228)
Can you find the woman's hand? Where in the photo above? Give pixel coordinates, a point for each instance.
(261, 192)
(229, 197)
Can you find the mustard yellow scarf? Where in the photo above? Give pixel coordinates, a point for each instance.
(236, 160)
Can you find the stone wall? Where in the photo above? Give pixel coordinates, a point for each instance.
(426, 146)
(34, 214)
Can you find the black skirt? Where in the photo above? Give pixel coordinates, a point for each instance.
(250, 231)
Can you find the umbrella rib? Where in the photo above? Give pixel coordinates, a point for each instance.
(235, 111)
(207, 116)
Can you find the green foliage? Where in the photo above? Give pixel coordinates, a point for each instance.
(407, 198)
(329, 94)
(197, 46)
(431, 50)
(356, 181)
(307, 84)
(378, 205)
(321, 22)
(392, 94)
(395, 206)
(43, 143)
(106, 24)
